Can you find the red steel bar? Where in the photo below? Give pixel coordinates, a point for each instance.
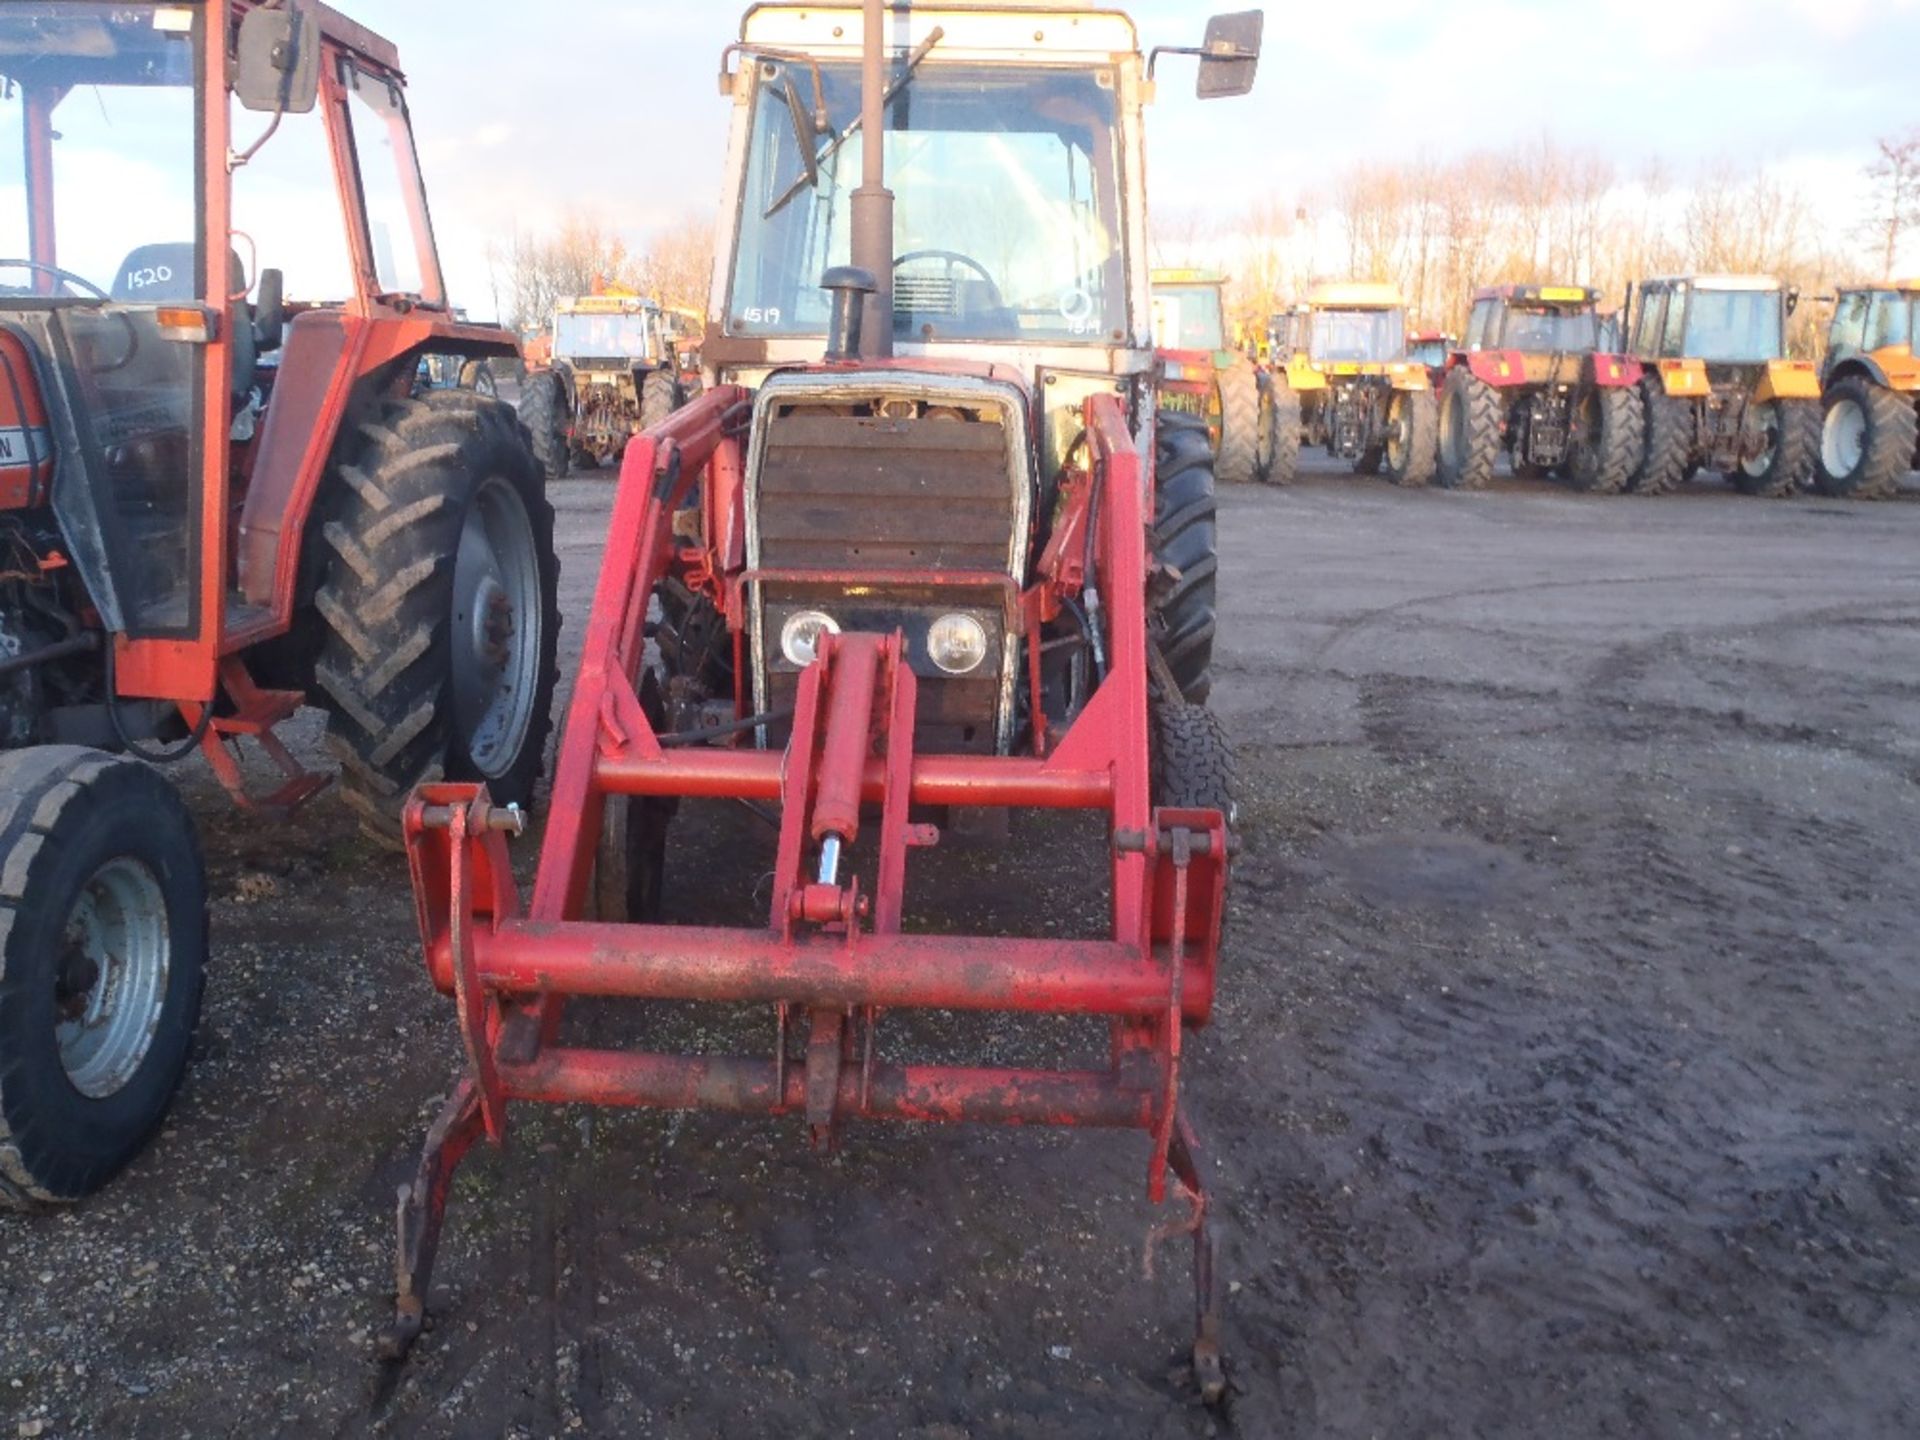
(939, 1093)
(933, 972)
(984, 780)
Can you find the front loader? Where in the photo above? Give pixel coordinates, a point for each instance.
(1532, 383)
(927, 543)
(1870, 431)
(1358, 393)
(1718, 391)
(224, 493)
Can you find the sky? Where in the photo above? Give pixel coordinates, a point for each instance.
(612, 107)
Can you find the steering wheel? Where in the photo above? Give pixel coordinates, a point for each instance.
(954, 260)
(65, 277)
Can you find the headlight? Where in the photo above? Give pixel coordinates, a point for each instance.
(800, 636)
(957, 644)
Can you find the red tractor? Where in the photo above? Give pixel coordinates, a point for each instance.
(1533, 383)
(926, 543)
(223, 493)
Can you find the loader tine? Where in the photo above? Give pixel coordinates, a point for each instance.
(422, 1212)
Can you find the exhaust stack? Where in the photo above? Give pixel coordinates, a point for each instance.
(872, 236)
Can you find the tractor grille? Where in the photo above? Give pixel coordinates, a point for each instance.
(886, 512)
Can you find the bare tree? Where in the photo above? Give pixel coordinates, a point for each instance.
(536, 271)
(677, 268)
(1895, 173)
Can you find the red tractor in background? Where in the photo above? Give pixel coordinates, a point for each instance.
(1532, 383)
(1431, 348)
(928, 541)
(220, 496)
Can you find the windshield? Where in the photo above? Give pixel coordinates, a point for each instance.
(97, 107)
(1734, 326)
(1367, 336)
(600, 337)
(1006, 211)
(1547, 329)
(1188, 317)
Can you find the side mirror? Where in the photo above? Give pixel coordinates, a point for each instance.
(270, 311)
(277, 66)
(1230, 58)
(1793, 300)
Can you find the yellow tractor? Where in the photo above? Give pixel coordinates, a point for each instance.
(1718, 390)
(1205, 376)
(1358, 392)
(1870, 435)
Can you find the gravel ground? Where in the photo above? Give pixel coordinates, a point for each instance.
(1564, 1081)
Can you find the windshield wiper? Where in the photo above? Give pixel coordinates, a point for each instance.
(807, 182)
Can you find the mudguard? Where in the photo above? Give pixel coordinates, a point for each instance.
(1789, 380)
(1685, 379)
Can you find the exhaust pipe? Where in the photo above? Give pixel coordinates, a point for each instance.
(872, 222)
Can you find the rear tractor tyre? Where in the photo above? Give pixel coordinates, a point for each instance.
(1282, 422)
(1239, 454)
(1192, 760)
(103, 945)
(659, 397)
(1867, 440)
(548, 415)
(1665, 443)
(1413, 437)
(1469, 438)
(1186, 541)
(442, 608)
(1609, 434)
(1786, 466)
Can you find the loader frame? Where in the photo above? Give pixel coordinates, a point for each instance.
(829, 960)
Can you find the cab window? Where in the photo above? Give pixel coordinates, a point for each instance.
(1850, 322)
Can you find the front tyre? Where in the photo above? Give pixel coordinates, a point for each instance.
(1469, 439)
(1867, 440)
(546, 410)
(103, 945)
(441, 601)
(1186, 541)
(1283, 432)
(659, 397)
(1413, 437)
(1608, 436)
(1787, 444)
(1238, 460)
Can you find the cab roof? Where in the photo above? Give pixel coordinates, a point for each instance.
(1188, 277)
(970, 25)
(1909, 286)
(1719, 282)
(1355, 295)
(1539, 294)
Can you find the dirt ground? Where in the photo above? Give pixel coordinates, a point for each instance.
(1564, 1084)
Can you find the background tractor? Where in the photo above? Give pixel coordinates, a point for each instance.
(1870, 435)
(1204, 376)
(1531, 383)
(612, 373)
(1359, 394)
(220, 495)
(929, 541)
(1718, 392)
(1431, 349)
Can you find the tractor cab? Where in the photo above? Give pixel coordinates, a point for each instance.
(1535, 320)
(1203, 374)
(1720, 320)
(201, 207)
(1361, 394)
(1870, 427)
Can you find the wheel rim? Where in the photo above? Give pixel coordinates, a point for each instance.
(497, 625)
(111, 983)
(1763, 420)
(1399, 422)
(1843, 439)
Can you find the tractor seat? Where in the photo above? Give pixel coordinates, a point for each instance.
(157, 274)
